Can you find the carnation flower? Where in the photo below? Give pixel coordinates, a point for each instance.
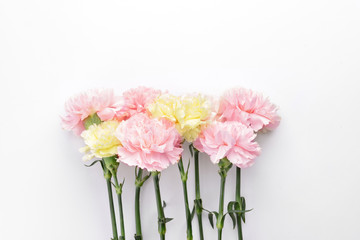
(148, 143)
(232, 140)
(78, 108)
(100, 140)
(136, 100)
(248, 107)
(188, 112)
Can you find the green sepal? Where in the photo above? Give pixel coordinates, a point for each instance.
(111, 164)
(224, 166)
(90, 120)
(139, 179)
(191, 148)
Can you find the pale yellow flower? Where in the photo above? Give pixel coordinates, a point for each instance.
(188, 112)
(100, 140)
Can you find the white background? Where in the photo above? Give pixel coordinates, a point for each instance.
(304, 54)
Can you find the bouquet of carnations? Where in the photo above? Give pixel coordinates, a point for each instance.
(147, 129)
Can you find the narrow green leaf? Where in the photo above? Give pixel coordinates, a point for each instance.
(222, 219)
(193, 213)
(230, 208)
(233, 218)
(241, 211)
(198, 203)
(216, 214)
(243, 207)
(211, 219)
(164, 204)
(93, 163)
(168, 220)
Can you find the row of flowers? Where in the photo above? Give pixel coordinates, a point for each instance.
(146, 128)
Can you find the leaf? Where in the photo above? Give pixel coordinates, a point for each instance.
(233, 218)
(230, 209)
(187, 169)
(211, 219)
(164, 204)
(243, 207)
(222, 219)
(93, 163)
(168, 220)
(193, 213)
(241, 211)
(216, 214)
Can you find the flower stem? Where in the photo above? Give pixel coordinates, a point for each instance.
(121, 213)
(198, 201)
(183, 174)
(112, 212)
(238, 199)
(219, 223)
(137, 214)
(224, 167)
(138, 184)
(160, 209)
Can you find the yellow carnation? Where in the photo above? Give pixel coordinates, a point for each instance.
(188, 112)
(100, 140)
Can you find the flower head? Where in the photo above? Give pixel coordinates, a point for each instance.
(100, 140)
(148, 143)
(188, 112)
(232, 140)
(78, 108)
(136, 100)
(248, 107)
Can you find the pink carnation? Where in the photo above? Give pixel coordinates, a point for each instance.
(137, 100)
(100, 101)
(248, 107)
(148, 142)
(232, 140)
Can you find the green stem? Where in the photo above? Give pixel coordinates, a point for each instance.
(198, 201)
(160, 210)
(121, 212)
(112, 212)
(238, 199)
(138, 235)
(219, 223)
(186, 200)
